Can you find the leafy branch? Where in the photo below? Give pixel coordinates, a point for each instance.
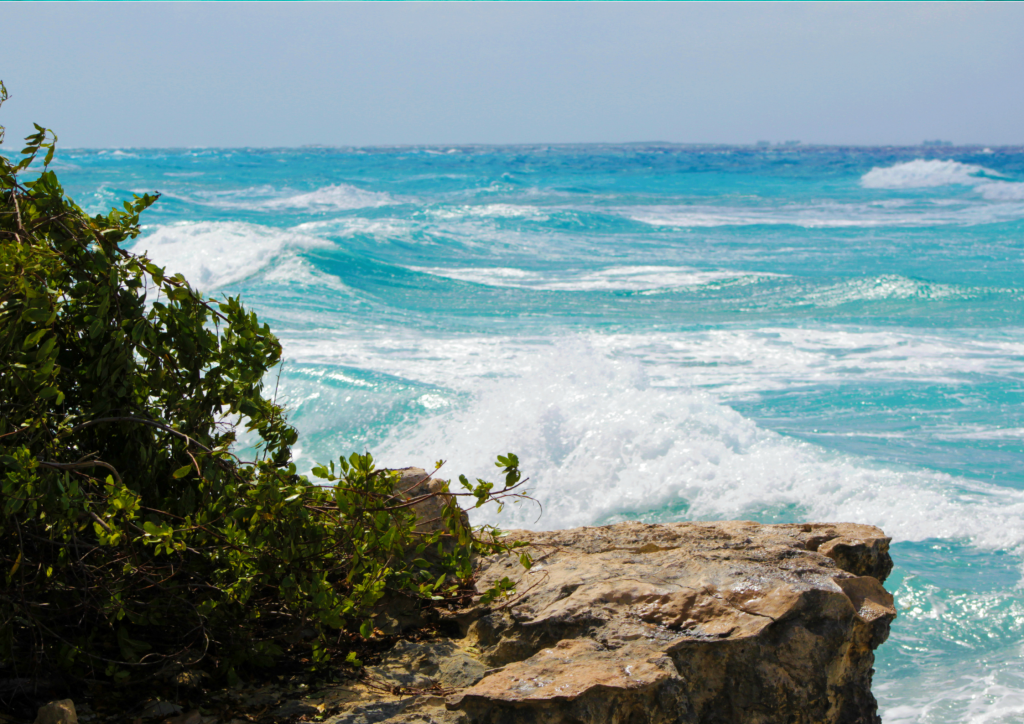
(132, 538)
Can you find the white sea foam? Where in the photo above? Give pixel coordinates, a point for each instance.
(739, 364)
(988, 184)
(336, 197)
(984, 688)
(809, 218)
(887, 286)
(922, 173)
(736, 364)
(986, 692)
(840, 216)
(618, 278)
(213, 254)
(295, 270)
(926, 174)
(117, 153)
(352, 226)
(599, 440)
(1001, 191)
(499, 211)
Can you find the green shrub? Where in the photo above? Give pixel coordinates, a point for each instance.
(132, 539)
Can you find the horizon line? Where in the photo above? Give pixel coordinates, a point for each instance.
(757, 145)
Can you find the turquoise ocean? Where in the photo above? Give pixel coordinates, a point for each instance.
(661, 333)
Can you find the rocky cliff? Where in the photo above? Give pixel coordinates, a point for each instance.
(682, 622)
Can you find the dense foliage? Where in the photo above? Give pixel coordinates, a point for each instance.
(132, 539)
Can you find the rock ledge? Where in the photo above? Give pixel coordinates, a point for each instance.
(680, 622)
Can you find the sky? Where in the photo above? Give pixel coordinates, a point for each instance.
(289, 74)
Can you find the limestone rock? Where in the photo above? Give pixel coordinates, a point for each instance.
(418, 710)
(57, 712)
(415, 483)
(684, 622)
(295, 708)
(428, 665)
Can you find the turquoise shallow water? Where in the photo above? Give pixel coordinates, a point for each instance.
(661, 333)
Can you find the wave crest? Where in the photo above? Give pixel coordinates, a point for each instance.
(600, 441)
(215, 254)
(618, 278)
(921, 173)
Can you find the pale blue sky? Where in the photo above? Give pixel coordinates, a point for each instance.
(268, 74)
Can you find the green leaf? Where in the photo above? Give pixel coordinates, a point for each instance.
(36, 315)
(11, 462)
(33, 339)
(182, 471)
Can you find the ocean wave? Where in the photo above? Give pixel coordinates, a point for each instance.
(214, 254)
(600, 441)
(295, 270)
(1001, 191)
(336, 197)
(118, 153)
(737, 364)
(841, 216)
(887, 287)
(981, 683)
(740, 364)
(702, 217)
(932, 173)
(619, 278)
(351, 226)
(922, 173)
(490, 211)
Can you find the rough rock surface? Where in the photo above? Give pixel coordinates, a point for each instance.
(58, 712)
(416, 483)
(684, 622)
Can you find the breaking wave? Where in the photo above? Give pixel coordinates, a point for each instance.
(214, 254)
(932, 173)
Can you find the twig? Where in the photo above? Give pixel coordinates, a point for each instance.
(17, 210)
(86, 464)
(142, 421)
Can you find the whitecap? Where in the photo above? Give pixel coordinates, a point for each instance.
(336, 197)
(215, 254)
(921, 173)
(618, 278)
(891, 212)
(886, 287)
(933, 173)
(499, 211)
(1001, 191)
(600, 441)
(296, 270)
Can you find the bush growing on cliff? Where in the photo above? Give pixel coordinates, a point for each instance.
(132, 539)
